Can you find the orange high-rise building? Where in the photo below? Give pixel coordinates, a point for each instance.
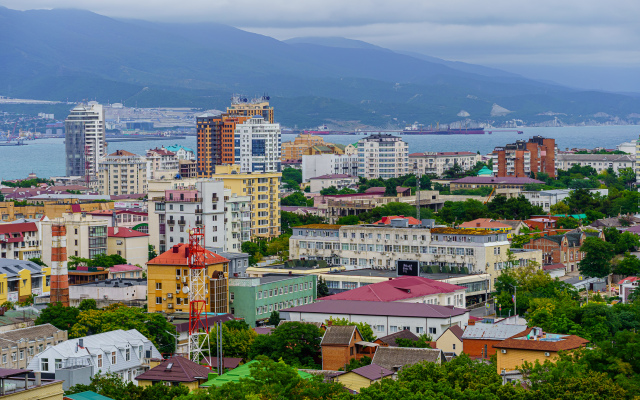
(59, 273)
(522, 159)
(216, 133)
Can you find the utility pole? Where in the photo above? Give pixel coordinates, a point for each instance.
(418, 176)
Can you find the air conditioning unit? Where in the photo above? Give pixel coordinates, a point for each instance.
(505, 352)
(185, 279)
(169, 295)
(177, 277)
(164, 299)
(547, 354)
(177, 291)
(169, 305)
(105, 296)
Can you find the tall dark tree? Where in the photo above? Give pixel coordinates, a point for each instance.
(597, 259)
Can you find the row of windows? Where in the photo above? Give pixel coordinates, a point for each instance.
(460, 251)
(283, 304)
(264, 294)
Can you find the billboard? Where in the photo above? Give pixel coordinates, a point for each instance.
(408, 268)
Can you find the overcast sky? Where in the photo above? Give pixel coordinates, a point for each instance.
(566, 33)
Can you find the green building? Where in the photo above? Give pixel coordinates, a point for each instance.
(254, 299)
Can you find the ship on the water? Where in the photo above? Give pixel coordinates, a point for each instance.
(419, 129)
(324, 130)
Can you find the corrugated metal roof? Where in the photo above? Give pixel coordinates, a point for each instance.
(492, 331)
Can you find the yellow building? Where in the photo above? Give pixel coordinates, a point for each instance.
(176, 370)
(451, 340)
(296, 149)
(131, 245)
(264, 191)
(488, 224)
(18, 386)
(259, 107)
(168, 281)
(52, 209)
(19, 279)
(363, 377)
(533, 346)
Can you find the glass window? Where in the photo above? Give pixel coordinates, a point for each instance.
(113, 357)
(44, 364)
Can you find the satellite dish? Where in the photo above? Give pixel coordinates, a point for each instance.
(185, 289)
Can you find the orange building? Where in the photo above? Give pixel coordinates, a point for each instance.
(521, 159)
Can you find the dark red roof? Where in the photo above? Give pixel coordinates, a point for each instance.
(404, 334)
(228, 362)
(380, 308)
(176, 369)
(376, 189)
(177, 255)
(18, 228)
(456, 330)
(404, 287)
(372, 372)
(124, 232)
(387, 220)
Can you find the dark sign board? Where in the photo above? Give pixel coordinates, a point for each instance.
(408, 268)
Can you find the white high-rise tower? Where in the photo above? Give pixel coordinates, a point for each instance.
(84, 140)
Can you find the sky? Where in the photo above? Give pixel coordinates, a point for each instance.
(582, 43)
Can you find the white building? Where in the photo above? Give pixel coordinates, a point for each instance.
(382, 156)
(339, 181)
(183, 153)
(548, 198)
(84, 139)
(238, 220)
(123, 353)
(257, 145)
(122, 172)
(328, 164)
(186, 206)
(384, 318)
(109, 291)
(600, 162)
(438, 163)
(162, 164)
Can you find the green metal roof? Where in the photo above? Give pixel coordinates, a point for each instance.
(87, 396)
(485, 172)
(177, 147)
(235, 375)
(575, 216)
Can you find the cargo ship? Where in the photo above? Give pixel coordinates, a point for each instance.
(417, 129)
(324, 130)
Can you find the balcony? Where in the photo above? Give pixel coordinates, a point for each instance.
(171, 221)
(182, 222)
(198, 210)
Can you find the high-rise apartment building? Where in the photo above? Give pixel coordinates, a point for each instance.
(521, 159)
(328, 164)
(122, 172)
(257, 145)
(84, 140)
(382, 156)
(216, 133)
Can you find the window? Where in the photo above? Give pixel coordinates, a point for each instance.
(419, 330)
(113, 357)
(393, 329)
(127, 354)
(22, 354)
(58, 363)
(4, 358)
(158, 300)
(14, 356)
(44, 364)
(99, 360)
(432, 331)
(454, 346)
(158, 285)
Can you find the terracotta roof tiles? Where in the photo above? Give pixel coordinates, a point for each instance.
(177, 255)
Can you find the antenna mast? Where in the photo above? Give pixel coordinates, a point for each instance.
(199, 345)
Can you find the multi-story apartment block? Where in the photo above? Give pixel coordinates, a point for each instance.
(375, 246)
(51, 208)
(382, 156)
(122, 172)
(20, 241)
(437, 163)
(599, 162)
(168, 278)
(20, 279)
(85, 236)
(263, 189)
(84, 139)
(187, 204)
(238, 220)
(162, 164)
(521, 159)
(339, 181)
(296, 149)
(19, 346)
(254, 299)
(257, 145)
(183, 153)
(122, 353)
(328, 164)
(216, 133)
(188, 168)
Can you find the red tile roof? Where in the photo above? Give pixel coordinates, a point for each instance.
(162, 152)
(124, 232)
(120, 153)
(182, 370)
(18, 228)
(629, 279)
(484, 223)
(376, 189)
(456, 330)
(124, 268)
(405, 287)
(176, 256)
(387, 220)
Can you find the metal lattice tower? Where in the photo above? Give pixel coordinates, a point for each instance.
(199, 345)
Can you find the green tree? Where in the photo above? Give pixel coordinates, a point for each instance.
(87, 304)
(629, 265)
(296, 343)
(355, 364)
(560, 208)
(112, 386)
(237, 340)
(365, 329)
(59, 316)
(296, 199)
(38, 261)
(423, 342)
(274, 318)
(152, 253)
(322, 289)
(567, 223)
(597, 260)
(331, 190)
(292, 174)
(349, 220)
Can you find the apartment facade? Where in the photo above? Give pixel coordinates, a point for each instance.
(84, 236)
(564, 248)
(19, 346)
(379, 247)
(296, 149)
(339, 181)
(328, 164)
(548, 198)
(84, 139)
(382, 156)
(129, 244)
(122, 172)
(438, 162)
(257, 145)
(522, 159)
(599, 162)
(20, 241)
(168, 278)
(238, 220)
(162, 163)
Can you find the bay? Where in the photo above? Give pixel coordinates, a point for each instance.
(45, 157)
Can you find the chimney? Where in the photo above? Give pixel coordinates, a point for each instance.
(81, 342)
(115, 230)
(38, 376)
(471, 323)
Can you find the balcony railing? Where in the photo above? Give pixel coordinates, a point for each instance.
(171, 221)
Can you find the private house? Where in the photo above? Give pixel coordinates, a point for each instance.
(563, 248)
(516, 225)
(362, 377)
(76, 361)
(395, 358)
(342, 343)
(479, 339)
(175, 371)
(84, 274)
(534, 346)
(19, 346)
(451, 340)
(390, 340)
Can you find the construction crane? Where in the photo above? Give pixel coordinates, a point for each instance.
(490, 194)
(199, 345)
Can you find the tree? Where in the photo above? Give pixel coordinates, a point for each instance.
(279, 247)
(560, 208)
(629, 265)
(59, 316)
(423, 342)
(152, 253)
(597, 260)
(253, 249)
(237, 339)
(331, 190)
(349, 220)
(297, 343)
(106, 261)
(567, 223)
(292, 174)
(355, 364)
(274, 318)
(87, 304)
(112, 386)
(322, 290)
(38, 261)
(364, 328)
(296, 199)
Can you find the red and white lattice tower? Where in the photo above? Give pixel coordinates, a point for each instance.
(199, 345)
